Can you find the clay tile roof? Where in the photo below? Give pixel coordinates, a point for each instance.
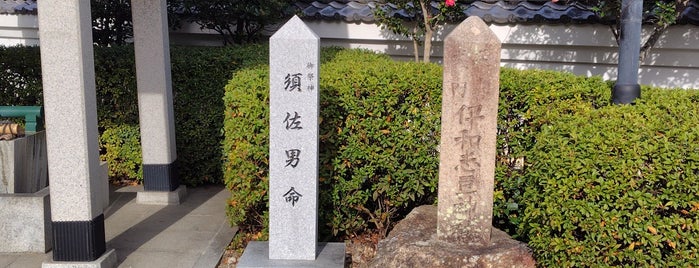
(492, 11)
(691, 14)
(18, 7)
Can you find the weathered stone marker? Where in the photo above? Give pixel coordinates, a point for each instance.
(293, 142)
(469, 127)
(293, 156)
(462, 219)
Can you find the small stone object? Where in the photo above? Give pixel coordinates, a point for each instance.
(469, 128)
(293, 150)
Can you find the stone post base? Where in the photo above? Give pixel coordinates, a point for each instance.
(330, 255)
(175, 197)
(107, 260)
(413, 243)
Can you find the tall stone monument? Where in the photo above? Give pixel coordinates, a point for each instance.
(469, 128)
(293, 142)
(463, 219)
(293, 156)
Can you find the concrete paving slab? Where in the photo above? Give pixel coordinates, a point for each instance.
(192, 234)
(17, 260)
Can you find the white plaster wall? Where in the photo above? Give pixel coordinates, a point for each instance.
(580, 49)
(19, 30)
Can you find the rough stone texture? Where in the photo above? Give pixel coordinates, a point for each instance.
(25, 222)
(413, 243)
(23, 164)
(469, 129)
(68, 78)
(154, 81)
(293, 163)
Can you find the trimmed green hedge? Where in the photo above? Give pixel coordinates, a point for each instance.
(617, 185)
(20, 76)
(378, 144)
(584, 182)
(199, 75)
(598, 184)
(530, 100)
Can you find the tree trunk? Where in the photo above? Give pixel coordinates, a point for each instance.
(650, 42)
(416, 51)
(659, 30)
(427, 18)
(427, 49)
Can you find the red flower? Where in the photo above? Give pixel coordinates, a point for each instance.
(450, 3)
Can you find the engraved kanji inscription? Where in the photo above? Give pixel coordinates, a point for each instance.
(293, 122)
(292, 157)
(292, 196)
(292, 82)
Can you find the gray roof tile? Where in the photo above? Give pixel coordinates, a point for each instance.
(17, 7)
(496, 11)
(691, 14)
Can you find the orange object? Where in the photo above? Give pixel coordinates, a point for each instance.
(11, 128)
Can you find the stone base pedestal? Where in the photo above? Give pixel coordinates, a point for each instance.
(257, 255)
(175, 197)
(107, 260)
(413, 243)
(24, 164)
(26, 222)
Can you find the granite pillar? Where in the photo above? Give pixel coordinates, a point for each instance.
(71, 129)
(155, 102)
(293, 156)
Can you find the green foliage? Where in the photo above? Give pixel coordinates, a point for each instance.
(660, 14)
(426, 20)
(122, 150)
(379, 144)
(111, 22)
(237, 21)
(115, 80)
(246, 148)
(584, 182)
(20, 76)
(617, 185)
(597, 185)
(199, 75)
(378, 141)
(528, 101)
